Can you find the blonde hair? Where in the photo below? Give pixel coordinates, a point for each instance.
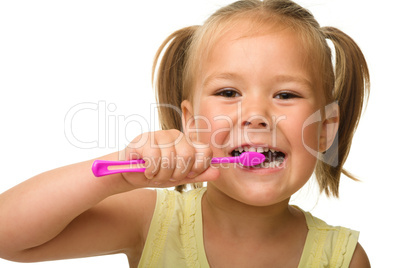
(347, 83)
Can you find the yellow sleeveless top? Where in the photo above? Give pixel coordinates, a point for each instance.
(175, 236)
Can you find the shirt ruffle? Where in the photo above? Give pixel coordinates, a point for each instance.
(189, 230)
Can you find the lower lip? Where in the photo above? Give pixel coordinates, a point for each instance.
(262, 170)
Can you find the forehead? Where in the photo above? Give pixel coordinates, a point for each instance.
(217, 34)
(245, 26)
(265, 38)
(211, 36)
(267, 50)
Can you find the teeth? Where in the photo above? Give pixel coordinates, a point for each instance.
(276, 162)
(280, 159)
(253, 149)
(273, 164)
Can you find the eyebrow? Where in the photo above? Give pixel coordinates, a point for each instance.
(297, 79)
(219, 76)
(278, 78)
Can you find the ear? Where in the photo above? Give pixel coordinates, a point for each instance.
(329, 126)
(187, 119)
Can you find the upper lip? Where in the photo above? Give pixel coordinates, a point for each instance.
(255, 145)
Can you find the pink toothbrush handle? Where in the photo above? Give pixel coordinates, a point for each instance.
(100, 167)
(225, 160)
(246, 159)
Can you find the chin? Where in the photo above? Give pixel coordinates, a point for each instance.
(262, 196)
(254, 193)
(258, 186)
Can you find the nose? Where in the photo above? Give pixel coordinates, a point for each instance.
(256, 122)
(255, 113)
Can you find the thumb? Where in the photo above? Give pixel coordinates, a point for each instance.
(210, 174)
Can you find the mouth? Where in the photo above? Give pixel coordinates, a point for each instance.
(273, 158)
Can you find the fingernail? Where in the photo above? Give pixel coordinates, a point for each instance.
(172, 179)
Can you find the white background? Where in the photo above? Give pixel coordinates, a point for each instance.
(55, 55)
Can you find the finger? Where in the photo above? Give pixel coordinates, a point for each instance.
(135, 148)
(143, 147)
(152, 163)
(202, 161)
(185, 158)
(210, 174)
(166, 142)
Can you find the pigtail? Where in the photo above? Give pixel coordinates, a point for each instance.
(169, 79)
(351, 91)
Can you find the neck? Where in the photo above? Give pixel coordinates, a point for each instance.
(242, 220)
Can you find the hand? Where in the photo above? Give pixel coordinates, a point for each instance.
(170, 160)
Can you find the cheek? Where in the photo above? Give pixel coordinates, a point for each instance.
(303, 141)
(219, 134)
(213, 126)
(303, 134)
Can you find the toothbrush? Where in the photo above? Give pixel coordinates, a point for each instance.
(101, 167)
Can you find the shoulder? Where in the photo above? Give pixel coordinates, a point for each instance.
(359, 258)
(137, 207)
(333, 244)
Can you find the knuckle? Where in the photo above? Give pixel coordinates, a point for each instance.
(178, 176)
(140, 140)
(186, 157)
(199, 167)
(175, 132)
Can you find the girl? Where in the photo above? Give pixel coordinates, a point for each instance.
(257, 76)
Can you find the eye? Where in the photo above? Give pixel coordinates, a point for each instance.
(228, 93)
(286, 96)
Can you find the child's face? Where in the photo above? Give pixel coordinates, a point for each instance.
(258, 91)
